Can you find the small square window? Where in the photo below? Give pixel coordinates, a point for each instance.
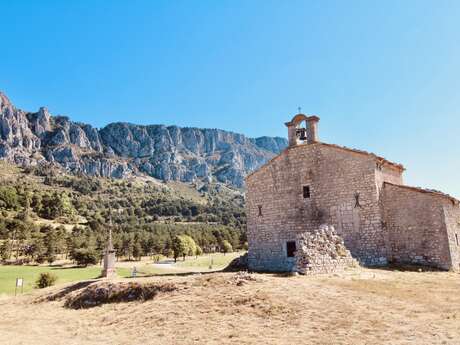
(290, 249)
(260, 210)
(306, 192)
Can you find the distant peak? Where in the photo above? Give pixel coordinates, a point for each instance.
(4, 101)
(44, 111)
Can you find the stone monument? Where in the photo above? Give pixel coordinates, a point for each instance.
(108, 270)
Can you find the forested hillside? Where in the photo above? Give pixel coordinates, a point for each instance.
(46, 214)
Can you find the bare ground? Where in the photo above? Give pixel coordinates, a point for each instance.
(358, 307)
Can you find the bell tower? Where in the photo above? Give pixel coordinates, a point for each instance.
(303, 129)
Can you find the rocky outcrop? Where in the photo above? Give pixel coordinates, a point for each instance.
(18, 141)
(122, 149)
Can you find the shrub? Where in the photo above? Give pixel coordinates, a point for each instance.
(45, 279)
(8, 197)
(85, 256)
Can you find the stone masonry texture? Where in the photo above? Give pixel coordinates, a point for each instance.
(421, 227)
(322, 251)
(361, 195)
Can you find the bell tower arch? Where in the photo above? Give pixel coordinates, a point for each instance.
(302, 129)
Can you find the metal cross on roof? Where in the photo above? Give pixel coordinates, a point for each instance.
(300, 110)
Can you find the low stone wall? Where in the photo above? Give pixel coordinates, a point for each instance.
(322, 251)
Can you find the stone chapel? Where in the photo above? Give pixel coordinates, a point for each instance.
(362, 195)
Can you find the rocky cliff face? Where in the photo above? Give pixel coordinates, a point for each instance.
(122, 149)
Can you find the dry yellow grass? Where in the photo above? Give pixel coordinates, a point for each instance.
(358, 307)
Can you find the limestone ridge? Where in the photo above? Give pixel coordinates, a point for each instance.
(123, 149)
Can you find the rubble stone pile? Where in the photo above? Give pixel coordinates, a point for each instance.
(322, 251)
(243, 277)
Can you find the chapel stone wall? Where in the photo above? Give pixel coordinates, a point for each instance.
(343, 193)
(416, 225)
(452, 221)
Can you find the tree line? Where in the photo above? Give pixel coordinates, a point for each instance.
(26, 242)
(146, 219)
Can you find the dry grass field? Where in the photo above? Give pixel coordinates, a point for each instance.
(358, 307)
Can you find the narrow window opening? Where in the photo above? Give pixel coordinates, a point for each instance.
(306, 192)
(457, 240)
(260, 210)
(290, 249)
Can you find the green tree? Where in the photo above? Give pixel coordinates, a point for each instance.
(127, 245)
(37, 249)
(9, 198)
(190, 245)
(5, 250)
(226, 247)
(198, 251)
(36, 203)
(85, 256)
(137, 251)
(54, 242)
(56, 205)
(183, 245)
(179, 247)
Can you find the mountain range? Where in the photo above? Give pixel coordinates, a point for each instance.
(119, 150)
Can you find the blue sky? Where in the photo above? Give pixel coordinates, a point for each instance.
(383, 75)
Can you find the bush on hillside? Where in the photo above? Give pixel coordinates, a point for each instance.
(45, 279)
(9, 198)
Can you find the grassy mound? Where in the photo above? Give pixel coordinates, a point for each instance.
(238, 264)
(116, 292)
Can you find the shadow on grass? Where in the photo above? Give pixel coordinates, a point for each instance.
(57, 267)
(178, 274)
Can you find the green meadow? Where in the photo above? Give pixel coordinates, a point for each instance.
(8, 275)
(217, 260)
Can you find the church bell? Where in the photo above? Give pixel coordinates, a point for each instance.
(302, 134)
